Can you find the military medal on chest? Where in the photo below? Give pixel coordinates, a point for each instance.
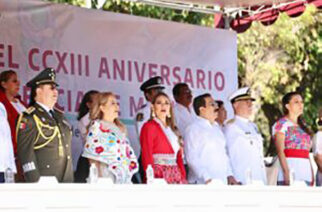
(248, 134)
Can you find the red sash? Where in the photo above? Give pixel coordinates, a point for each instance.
(296, 153)
(299, 153)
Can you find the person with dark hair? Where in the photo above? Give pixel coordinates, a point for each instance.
(83, 112)
(107, 145)
(222, 113)
(43, 134)
(82, 169)
(317, 149)
(244, 142)
(86, 104)
(184, 113)
(9, 97)
(161, 143)
(205, 145)
(293, 142)
(183, 110)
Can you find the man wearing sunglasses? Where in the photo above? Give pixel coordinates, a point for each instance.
(205, 145)
(244, 141)
(43, 135)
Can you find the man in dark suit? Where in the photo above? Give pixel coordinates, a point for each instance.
(43, 135)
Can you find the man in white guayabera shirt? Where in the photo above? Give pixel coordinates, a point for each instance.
(205, 145)
(244, 142)
(183, 111)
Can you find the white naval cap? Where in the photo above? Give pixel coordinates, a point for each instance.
(241, 94)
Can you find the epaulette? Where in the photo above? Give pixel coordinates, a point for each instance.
(59, 111)
(21, 123)
(230, 121)
(139, 117)
(30, 109)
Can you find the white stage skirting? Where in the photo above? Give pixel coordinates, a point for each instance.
(94, 197)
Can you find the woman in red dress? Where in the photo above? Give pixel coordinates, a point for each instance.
(161, 143)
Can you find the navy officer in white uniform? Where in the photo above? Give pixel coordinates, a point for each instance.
(244, 142)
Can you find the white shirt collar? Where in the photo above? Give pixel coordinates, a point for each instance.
(204, 121)
(216, 124)
(242, 119)
(184, 107)
(44, 107)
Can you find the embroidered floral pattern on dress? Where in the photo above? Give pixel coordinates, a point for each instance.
(171, 174)
(107, 144)
(104, 130)
(295, 136)
(133, 166)
(99, 149)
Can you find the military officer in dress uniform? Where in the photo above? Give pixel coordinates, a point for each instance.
(151, 88)
(43, 135)
(244, 142)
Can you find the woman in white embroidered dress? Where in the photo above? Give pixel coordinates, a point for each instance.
(107, 145)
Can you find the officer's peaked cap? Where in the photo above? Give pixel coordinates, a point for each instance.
(154, 82)
(241, 94)
(46, 76)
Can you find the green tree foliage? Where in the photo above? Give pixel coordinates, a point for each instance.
(80, 3)
(281, 58)
(144, 10)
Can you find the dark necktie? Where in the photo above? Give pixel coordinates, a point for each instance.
(52, 113)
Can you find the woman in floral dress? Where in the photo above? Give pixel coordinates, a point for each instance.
(107, 145)
(293, 142)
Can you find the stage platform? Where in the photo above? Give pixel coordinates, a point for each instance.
(164, 198)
